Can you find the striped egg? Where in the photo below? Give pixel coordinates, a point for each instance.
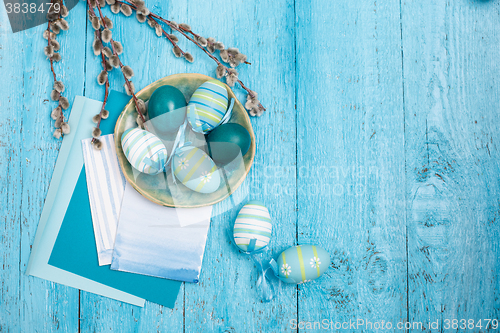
(196, 170)
(302, 263)
(207, 106)
(252, 227)
(144, 151)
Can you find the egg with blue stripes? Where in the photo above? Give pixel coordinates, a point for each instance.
(196, 170)
(252, 227)
(144, 151)
(301, 264)
(207, 106)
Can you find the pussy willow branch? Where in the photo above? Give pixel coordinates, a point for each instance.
(174, 44)
(209, 42)
(61, 116)
(183, 32)
(106, 85)
(51, 61)
(91, 9)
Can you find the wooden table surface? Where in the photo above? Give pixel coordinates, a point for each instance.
(380, 144)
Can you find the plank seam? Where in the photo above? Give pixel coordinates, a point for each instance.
(83, 93)
(404, 149)
(296, 145)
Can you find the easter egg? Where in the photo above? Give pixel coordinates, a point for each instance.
(227, 141)
(207, 106)
(196, 170)
(167, 109)
(302, 263)
(252, 227)
(144, 151)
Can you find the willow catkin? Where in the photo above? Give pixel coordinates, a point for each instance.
(220, 71)
(126, 10)
(128, 72)
(188, 57)
(96, 132)
(63, 101)
(106, 35)
(118, 47)
(59, 86)
(102, 77)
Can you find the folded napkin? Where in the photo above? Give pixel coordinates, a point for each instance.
(106, 183)
(160, 241)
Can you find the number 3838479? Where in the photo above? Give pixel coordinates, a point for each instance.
(25, 8)
(471, 324)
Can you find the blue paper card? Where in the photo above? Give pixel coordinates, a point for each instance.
(65, 176)
(75, 248)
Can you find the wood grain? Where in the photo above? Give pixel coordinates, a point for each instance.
(226, 299)
(451, 73)
(350, 155)
(10, 185)
(34, 304)
(151, 59)
(380, 144)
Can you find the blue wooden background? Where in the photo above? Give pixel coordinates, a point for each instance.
(380, 143)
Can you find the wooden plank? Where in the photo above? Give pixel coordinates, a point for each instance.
(451, 110)
(47, 306)
(225, 300)
(151, 58)
(31, 304)
(350, 176)
(10, 174)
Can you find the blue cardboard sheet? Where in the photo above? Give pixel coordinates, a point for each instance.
(65, 176)
(75, 248)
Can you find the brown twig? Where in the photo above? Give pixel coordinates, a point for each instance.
(127, 82)
(61, 116)
(106, 84)
(177, 28)
(174, 44)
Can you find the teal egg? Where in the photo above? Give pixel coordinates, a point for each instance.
(167, 109)
(227, 141)
(196, 170)
(207, 106)
(302, 263)
(252, 227)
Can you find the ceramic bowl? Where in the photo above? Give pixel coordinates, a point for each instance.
(160, 188)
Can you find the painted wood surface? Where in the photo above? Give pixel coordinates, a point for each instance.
(351, 160)
(380, 144)
(452, 174)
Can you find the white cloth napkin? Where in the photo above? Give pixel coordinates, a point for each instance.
(105, 184)
(160, 241)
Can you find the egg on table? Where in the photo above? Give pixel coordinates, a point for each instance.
(252, 227)
(302, 263)
(207, 106)
(167, 109)
(227, 141)
(196, 170)
(144, 151)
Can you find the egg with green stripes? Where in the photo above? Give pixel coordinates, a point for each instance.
(207, 106)
(302, 263)
(252, 227)
(144, 151)
(196, 170)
